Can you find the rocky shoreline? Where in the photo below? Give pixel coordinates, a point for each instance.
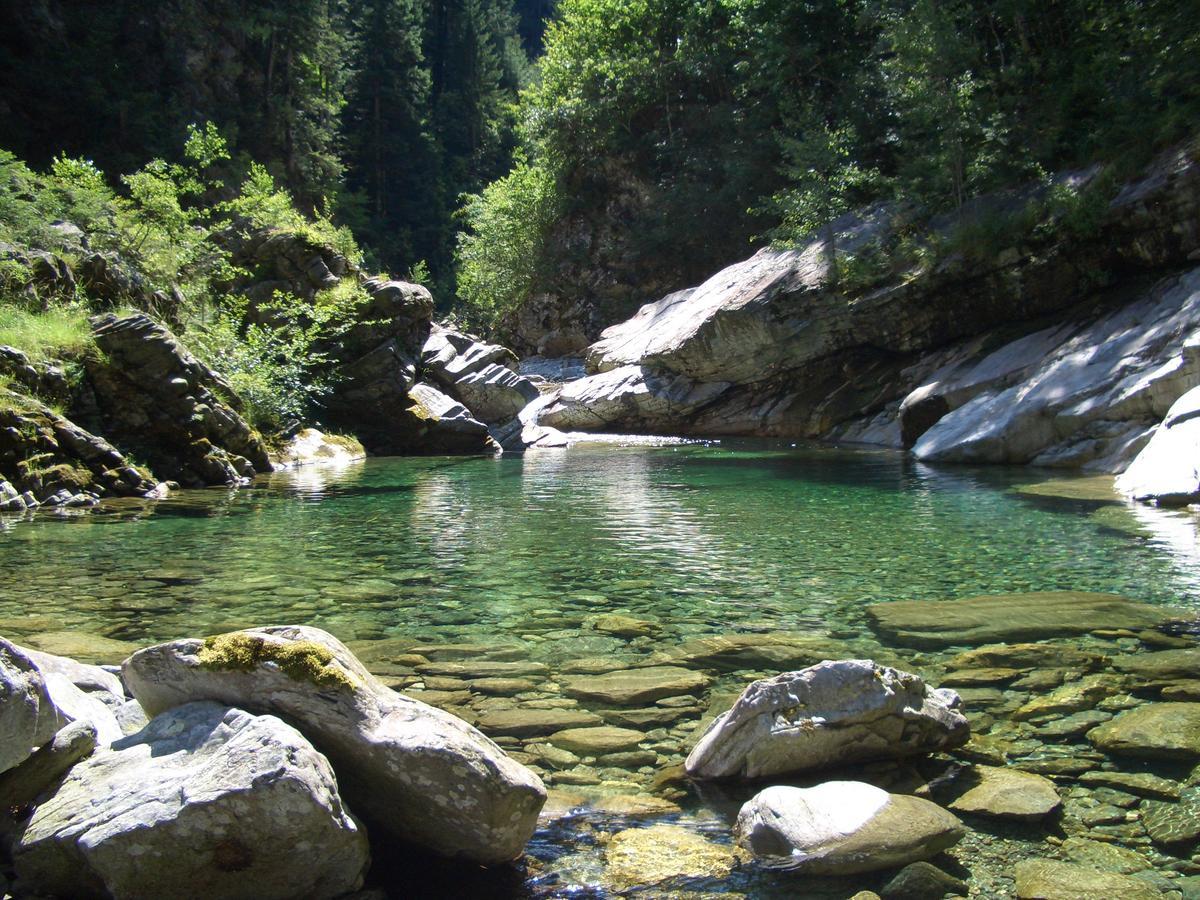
(1065, 737)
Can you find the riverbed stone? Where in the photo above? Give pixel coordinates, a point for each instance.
(635, 687)
(413, 771)
(1074, 696)
(733, 652)
(1173, 824)
(1004, 793)
(1141, 783)
(1008, 617)
(1104, 856)
(640, 858)
(28, 717)
(842, 827)
(833, 713)
(922, 881)
(89, 679)
(522, 721)
(1028, 656)
(597, 741)
(1152, 731)
(1161, 665)
(202, 803)
(1048, 879)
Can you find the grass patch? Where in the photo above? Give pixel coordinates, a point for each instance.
(57, 332)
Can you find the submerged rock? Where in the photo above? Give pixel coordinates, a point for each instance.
(1153, 731)
(1047, 879)
(1008, 794)
(630, 687)
(203, 803)
(833, 713)
(843, 827)
(1009, 617)
(417, 772)
(640, 858)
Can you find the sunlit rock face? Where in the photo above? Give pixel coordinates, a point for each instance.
(1167, 471)
(1064, 355)
(833, 713)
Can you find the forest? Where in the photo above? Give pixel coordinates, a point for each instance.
(595, 151)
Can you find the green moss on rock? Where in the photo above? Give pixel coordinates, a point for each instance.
(299, 660)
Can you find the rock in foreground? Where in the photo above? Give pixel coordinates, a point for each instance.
(833, 713)
(417, 772)
(843, 827)
(28, 717)
(205, 802)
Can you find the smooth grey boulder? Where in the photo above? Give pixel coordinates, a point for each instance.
(28, 716)
(88, 678)
(205, 802)
(1167, 471)
(833, 713)
(843, 827)
(74, 705)
(415, 771)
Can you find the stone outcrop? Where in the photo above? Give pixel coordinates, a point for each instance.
(833, 713)
(158, 399)
(413, 771)
(310, 447)
(46, 459)
(482, 376)
(1034, 354)
(843, 827)
(1167, 471)
(203, 802)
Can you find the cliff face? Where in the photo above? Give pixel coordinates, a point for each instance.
(1081, 341)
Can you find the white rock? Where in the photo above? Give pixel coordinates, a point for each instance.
(207, 802)
(418, 772)
(312, 447)
(833, 713)
(843, 827)
(1167, 471)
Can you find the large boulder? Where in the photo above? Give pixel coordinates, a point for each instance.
(1167, 471)
(843, 827)
(833, 713)
(28, 716)
(205, 802)
(179, 414)
(414, 771)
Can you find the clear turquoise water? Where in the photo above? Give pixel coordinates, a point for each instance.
(701, 537)
(522, 554)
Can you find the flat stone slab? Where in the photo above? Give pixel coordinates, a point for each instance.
(597, 741)
(1153, 731)
(1048, 879)
(1008, 794)
(1141, 783)
(931, 624)
(524, 722)
(731, 652)
(636, 687)
(644, 857)
(1164, 665)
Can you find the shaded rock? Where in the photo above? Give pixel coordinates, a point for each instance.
(525, 722)
(638, 858)
(312, 447)
(1008, 794)
(28, 717)
(1047, 879)
(922, 881)
(597, 741)
(1167, 470)
(20, 786)
(630, 687)
(158, 399)
(1008, 617)
(843, 827)
(1153, 731)
(414, 771)
(203, 802)
(443, 425)
(835, 712)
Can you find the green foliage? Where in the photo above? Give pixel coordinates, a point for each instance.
(57, 332)
(500, 253)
